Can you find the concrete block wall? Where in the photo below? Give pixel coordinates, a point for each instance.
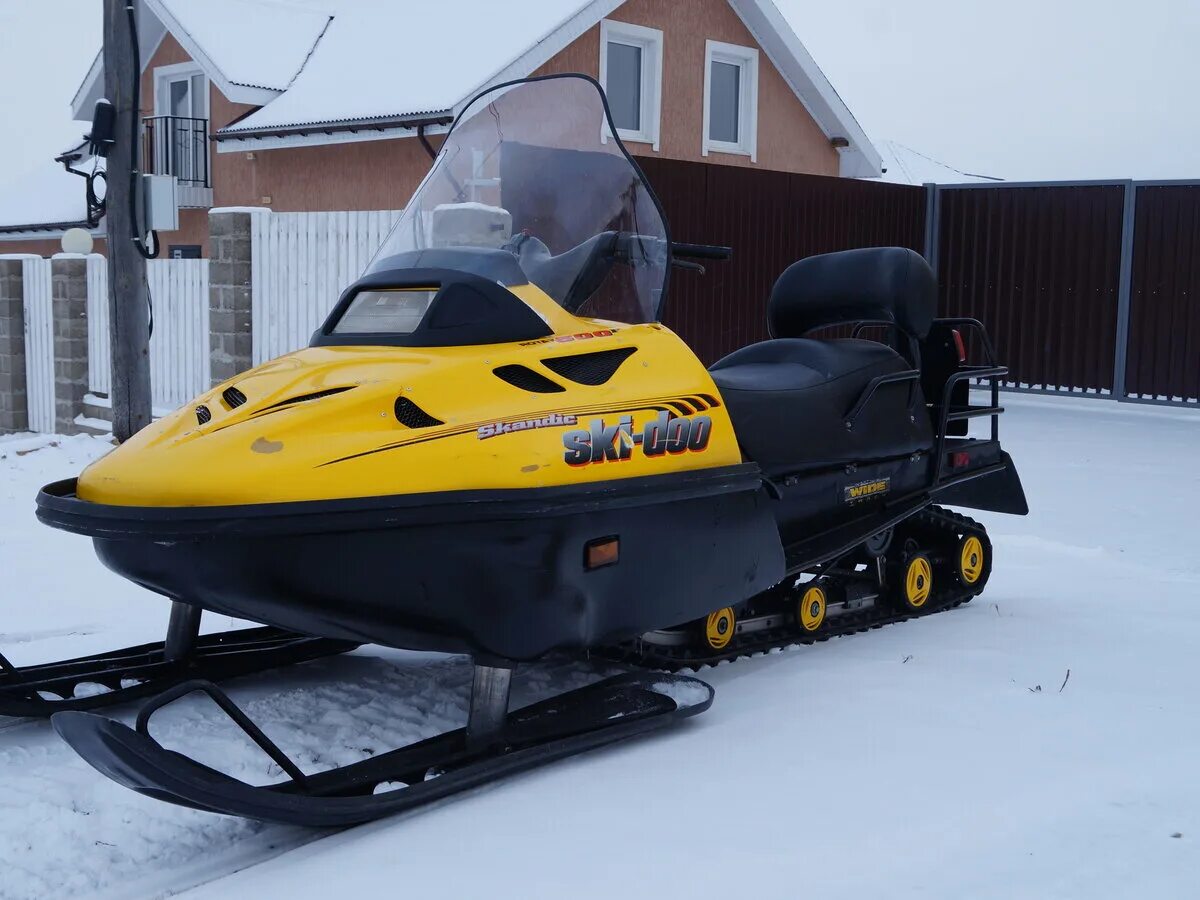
(231, 294)
(70, 292)
(14, 403)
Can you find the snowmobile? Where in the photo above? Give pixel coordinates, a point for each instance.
(492, 447)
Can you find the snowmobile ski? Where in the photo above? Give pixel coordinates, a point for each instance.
(118, 676)
(400, 780)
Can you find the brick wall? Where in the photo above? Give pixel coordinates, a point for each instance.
(231, 296)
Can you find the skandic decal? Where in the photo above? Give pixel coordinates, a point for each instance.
(495, 429)
(614, 443)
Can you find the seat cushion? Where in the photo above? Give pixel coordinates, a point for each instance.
(789, 399)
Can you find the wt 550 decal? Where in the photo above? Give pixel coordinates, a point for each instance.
(614, 443)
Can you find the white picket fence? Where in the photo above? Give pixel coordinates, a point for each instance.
(99, 363)
(301, 264)
(39, 343)
(179, 346)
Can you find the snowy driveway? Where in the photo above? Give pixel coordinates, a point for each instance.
(931, 759)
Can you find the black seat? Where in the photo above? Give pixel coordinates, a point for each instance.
(790, 397)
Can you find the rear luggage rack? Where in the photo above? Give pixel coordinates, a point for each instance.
(949, 412)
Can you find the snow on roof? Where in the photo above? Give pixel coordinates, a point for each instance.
(267, 47)
(379, 58)
(908, 166)
(47, 195)
(310, 63)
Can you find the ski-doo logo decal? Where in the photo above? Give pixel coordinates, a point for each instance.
(568, 338)
(495, 429)
(865, 489)
(615, 443)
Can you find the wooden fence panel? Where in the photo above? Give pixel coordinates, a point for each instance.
(302, 262)
(39, 343)
(180, 342)
(99, 352)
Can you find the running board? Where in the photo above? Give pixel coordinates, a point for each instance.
(400, 780)
(106, 679)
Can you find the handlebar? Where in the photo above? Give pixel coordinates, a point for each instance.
(701, 251)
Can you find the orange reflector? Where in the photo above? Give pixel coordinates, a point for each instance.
(959, 345)
(602, 552)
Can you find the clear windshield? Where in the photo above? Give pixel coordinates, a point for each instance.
(530, 170)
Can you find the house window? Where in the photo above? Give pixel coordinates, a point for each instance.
(181, 91)
(631, 72)
(730, 99)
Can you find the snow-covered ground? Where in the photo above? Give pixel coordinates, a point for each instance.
(938, 758)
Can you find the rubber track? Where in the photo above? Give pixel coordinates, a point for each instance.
(673, 659)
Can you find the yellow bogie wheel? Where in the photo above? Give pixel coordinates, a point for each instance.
(916, 586)
(719, 628)
(971, 560)
(810, 609)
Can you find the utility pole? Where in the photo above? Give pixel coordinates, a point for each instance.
(128, 294)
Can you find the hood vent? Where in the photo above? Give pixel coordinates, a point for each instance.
(203, 415)
(317, 395)
(589, 368)
(412, 416)
(528, 380)
(233, 397)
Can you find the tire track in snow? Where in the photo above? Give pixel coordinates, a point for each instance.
(65, 830)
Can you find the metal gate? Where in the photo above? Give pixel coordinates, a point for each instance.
(39, 343)
(1164, 306)
(1086, 287)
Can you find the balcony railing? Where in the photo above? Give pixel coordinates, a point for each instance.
(172, 145)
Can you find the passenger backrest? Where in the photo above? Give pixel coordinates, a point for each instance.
(885, 284)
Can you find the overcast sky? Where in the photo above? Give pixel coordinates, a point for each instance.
(1022, 89)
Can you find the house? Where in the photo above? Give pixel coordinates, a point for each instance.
(337, 104)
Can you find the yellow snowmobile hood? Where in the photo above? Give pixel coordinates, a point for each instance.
(342, 422)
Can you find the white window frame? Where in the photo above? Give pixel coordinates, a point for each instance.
(163, 75)
(745, 58)
(650, 42)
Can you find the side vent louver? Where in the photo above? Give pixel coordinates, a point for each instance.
(589, 368)
(528, 380)
(316, 395)
(203, 415)
(233, 397)
(412, 416)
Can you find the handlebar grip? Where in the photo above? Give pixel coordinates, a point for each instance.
(701, 251)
